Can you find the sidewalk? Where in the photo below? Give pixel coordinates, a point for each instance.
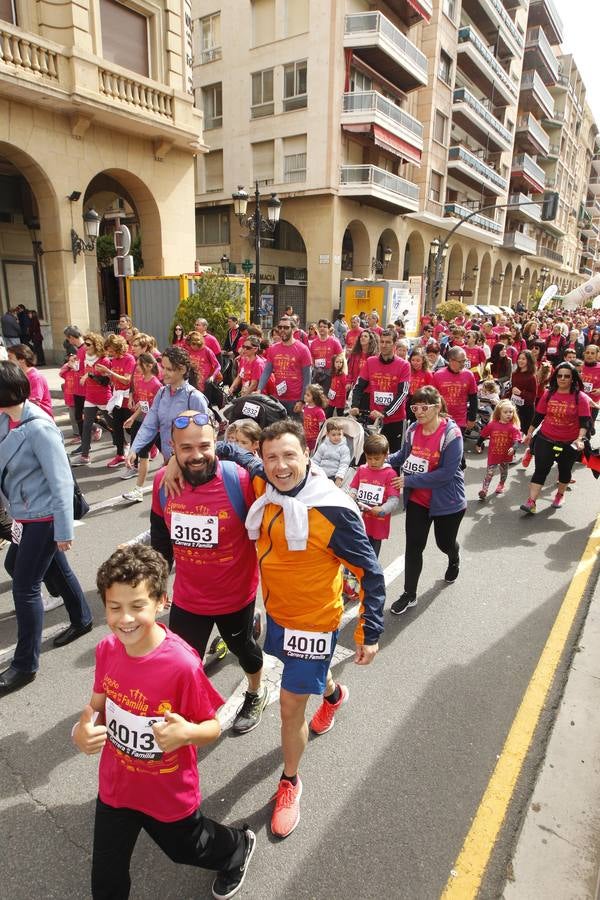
(558, 850)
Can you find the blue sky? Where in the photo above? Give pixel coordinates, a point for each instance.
(581, 21)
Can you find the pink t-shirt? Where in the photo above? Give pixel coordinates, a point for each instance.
(313, 418)
(124, 365)
(352, 335)
(144, 391)
(456, 388)
(373, 487)
(561, 415)
(384, 378)
(221, 577)
(39, 392)
(323, 352)
(204, 362)
(502, 436)
(70, 379)
(424, 447)
(288, 360)
(475, 355)
(134, 773)
(590, 376)
(336, 394)
(419, 379)
(250, 370)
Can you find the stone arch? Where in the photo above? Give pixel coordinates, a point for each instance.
(455, 269)
(389, 239)
(496, 284)
(485, 274)
(470, 277)
(414, 262)
(360, 263)
(507, 285)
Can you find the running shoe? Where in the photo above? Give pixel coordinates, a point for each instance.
(324, 718)
(128, 473)
(529, 506)
(286, 813)
(96, 433)
(250, 712)
(228, 883)
(50, 603)
(500, 488)
(482, 494)
(219, 648)
(115, 461)
(452, 571)
(526, 458)
(135, 496)
(80, 460)
(77, 450)
(558, 500)
(402, 604)
(153, 451)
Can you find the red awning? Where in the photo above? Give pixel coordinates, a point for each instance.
(419, 8)
(391, 142)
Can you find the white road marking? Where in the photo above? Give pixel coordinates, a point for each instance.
(113, 501)
(273, 668)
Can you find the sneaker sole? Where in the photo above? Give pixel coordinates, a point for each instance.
(132, 499)
(400, 612)
(295, 825)
(528, 510)
(243, 878)
(325, 730)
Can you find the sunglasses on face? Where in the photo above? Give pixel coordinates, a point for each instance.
(183, 421)
(564, 375)
(421, 407)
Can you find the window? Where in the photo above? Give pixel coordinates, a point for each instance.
(124, 37)
(296, 17)
(8, 12)
(294, 159)
(435, 187)
(262, 94)
(440, 127)
(445, 67)
(212, 100)
(449, 8)
(294, 86)
(359, 82)
(212, 226)
(263, 162)
(263, 22)
(210, 38)
(213, 171)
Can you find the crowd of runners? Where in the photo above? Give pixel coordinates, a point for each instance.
(340, 425)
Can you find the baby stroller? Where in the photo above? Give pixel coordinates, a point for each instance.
(354, 436)
(263, 409)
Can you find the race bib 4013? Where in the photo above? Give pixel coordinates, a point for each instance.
(132, 734)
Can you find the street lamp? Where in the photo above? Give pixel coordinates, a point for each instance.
(91, 229)
(225, 264)
(438, 250)
(256, 224)
(544, 272)
(378, 266)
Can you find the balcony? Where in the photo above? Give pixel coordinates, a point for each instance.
(375, 186)
(539, 55)
(593, 207)
(547, 253)
(386, 49)
(481, 221)
(535, 96)
(527, 212)
(553, 151)
(210, 54)
(585, 270)
(412, 11)
(530, 132)
(389, 126)
(472, 170)
(544, 13)
(594, 185)
(471, 115)
(492, 20)
(517, 240)
(93, 89)
(524, 169)
(596, 162)
(480, 65)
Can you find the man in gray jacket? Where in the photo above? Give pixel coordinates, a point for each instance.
(11, 330)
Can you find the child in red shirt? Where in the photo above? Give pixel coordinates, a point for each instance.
(503, 432)
(151, 707)
(314, 413)
(374, 492)
(70, 376)
(338, 386)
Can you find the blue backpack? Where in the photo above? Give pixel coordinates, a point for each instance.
(231, 481)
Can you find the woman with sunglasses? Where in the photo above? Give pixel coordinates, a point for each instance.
(430, 474)
(564, 414)
(178, 336)
(249, 367)
(97, 392)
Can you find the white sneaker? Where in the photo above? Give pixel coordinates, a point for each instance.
(136, 495)
(128, 473)
(96, 433)
(51, 603)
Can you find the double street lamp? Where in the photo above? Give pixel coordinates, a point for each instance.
(257, 225)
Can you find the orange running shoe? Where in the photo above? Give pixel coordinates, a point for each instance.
(324, 718)
(286, 813)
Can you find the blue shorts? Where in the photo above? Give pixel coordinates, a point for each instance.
(300, 676)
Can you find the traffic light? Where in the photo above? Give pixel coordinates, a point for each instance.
(550, 207)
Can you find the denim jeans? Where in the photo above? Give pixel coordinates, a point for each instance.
(27, 563)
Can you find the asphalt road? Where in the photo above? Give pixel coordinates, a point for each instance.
(390, 793)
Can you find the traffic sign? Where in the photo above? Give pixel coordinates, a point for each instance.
(122, 239)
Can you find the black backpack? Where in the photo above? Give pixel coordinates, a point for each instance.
(262, 409)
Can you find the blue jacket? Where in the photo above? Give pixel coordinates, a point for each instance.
(38, 481)
(447, 482)
(166, 406)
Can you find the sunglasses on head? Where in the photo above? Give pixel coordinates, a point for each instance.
(199, 419)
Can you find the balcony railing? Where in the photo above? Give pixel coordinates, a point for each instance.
(210, 54)
(27, 53)
(524, 163)
(468, 34)
(375, 23)
(530, 123)
(552, 14)
(517, 240)
(547, 253)
(134, 93)
(531, 210)
(372, 102)
(585, 270)
(508, 22)
(461, 154)
(462, 95)
(456, 209)
(374, 177)
(536, 37)
(530, 80)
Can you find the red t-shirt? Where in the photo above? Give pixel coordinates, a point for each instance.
(475, 355)
(144, 391)
(133, 772)
(419, 379)
(204, 362)
(591, 381)
(39, 392)
(384, 378)
(373, 487)
(70, 379)
(96, 394)
(352, 335)
(125, 365)
(288, 360)
(212, 343)
(222, 576)
(250, 370)
(79, 367)
(336, 394)
(424, 457)
(356, 364)
(552, 346)
(561, 415)
(456, 388)
(322, 352)
(313, 418)
(502, 436)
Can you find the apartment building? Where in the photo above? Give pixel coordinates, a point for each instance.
(96, 111)
(380, 125)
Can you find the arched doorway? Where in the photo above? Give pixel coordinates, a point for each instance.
(414, 256)
(469, 279)
(496, 283)
(388, 241)
(284, 274)
(507, 285)
(485, 274)
(455, 273)
(356, 256)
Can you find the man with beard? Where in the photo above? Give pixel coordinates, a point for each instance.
(216, 576)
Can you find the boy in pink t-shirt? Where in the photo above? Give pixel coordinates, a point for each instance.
(151, 707)
(372, 489)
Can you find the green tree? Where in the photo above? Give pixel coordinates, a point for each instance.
(450, 309)
(214, 299)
